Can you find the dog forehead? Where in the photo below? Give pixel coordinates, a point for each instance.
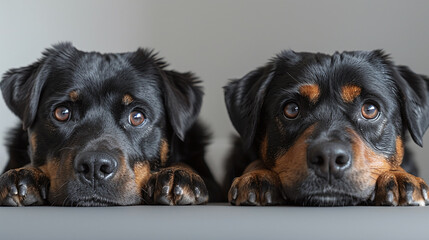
(319, 74)
(98, 74)
(99, 67)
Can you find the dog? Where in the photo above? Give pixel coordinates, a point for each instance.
(327, 130)
(104, 129)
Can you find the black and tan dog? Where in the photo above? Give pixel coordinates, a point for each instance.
(327, 130)
(104, 129)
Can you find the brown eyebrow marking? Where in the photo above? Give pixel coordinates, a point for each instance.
(127, 99)
(311, 91)
(350, 92)
(74, 95)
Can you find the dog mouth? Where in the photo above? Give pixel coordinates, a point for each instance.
(329, 199)
(93, 201)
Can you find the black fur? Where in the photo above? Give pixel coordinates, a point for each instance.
(170, 102)
(256, 101)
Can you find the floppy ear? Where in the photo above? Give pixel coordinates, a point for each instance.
(181, 93)
(183, 99)
(244, 99)
(415, 101)
(21, 88)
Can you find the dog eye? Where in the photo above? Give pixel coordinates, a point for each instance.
(62, 114)
(136, 118)
(369, 111)
(291, 110)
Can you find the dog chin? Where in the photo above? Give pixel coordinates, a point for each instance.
(329, 200)
(93, 201)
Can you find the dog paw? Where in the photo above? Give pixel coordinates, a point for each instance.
(23, 187)
(257, 188)
(399, 188)
(176, 186)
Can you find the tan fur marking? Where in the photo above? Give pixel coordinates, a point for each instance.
(5, 190)
(133, 180)
(368, 165)
(311, 91)
(350, 92)
(127, 99)
(291, 166)
(142, 173)
(254, 166)
(74, 96)
(399, 156)
(251, 175)
(50, 168)
(163, 152)
(182, 166)
(33, 142)
(59, 173)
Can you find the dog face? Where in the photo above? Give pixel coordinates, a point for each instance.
(329, 125)
(99, 123)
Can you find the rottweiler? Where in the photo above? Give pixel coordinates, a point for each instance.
(104, 129)
(327, 130)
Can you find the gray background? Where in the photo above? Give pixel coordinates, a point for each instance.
(218, 40)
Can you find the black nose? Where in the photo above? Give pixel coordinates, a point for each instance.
(92, 166)
(329, 159)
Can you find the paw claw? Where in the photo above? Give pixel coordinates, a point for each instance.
(255, 189)
(268, 198)
(399, 188)
(178, 190)
(44, 193)
(390, 198)
(425, 195)
(17, 200)
(234, 193)
(13, 191)
(23, 187)
(22, 190)
(165, 190)
(197, 192)
(186, 187)
(164, 200)
(12, 201)
(252, 197)
(372, 198)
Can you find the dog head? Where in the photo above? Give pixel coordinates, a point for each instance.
(99, 123)
(329, 125)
